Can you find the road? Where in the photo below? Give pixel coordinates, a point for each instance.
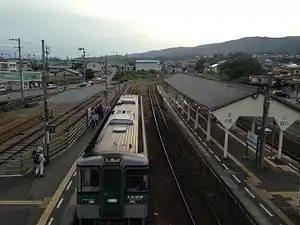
(78, 95)
(17, 94)
(66, 97)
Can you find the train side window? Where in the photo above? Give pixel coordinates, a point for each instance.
(89, 179)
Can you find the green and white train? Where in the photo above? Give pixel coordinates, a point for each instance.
(113, 177)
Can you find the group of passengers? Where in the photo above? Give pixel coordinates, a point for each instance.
(97, 114)
(38, 155)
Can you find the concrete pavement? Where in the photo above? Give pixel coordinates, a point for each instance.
(42, 200)
(38, 190)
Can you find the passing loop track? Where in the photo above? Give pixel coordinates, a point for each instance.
(12, 147)
(156, 111)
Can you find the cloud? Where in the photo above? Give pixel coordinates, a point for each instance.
(64, 32)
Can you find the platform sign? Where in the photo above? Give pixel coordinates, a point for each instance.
(284, 122)
(227, 119)
(252, 139)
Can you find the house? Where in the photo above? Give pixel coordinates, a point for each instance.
(147, 65)
(55, 65)
(215, 67)
(293, 68)
(67, 76)
(8, 66)
(68, 73)
(11, 80)
(258, 79)
(95, 66)
(26, 66)
(57, 68)
(280, 71)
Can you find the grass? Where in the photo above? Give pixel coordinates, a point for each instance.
(135, 77)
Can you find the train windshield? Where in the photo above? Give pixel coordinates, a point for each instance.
(89, 179)
(136, 180)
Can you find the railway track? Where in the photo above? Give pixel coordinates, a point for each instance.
(16, 127)
(184, 164)
(21, 143)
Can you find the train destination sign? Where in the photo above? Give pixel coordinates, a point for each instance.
(112, 160)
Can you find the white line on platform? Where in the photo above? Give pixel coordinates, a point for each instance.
(69, 185)
(265, 209)
(205, 144)
(59, 203)
(14, 175)
(249, 192)
(225, 166)
(217, 158)
(295, 168)
(210, 150)
(75, 174)
(237, 179)
(50, 221)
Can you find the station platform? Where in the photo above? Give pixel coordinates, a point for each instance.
(274, 189)
(29, 200)
(24, 199)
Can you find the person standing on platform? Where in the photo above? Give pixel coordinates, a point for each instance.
(107, 108)
(35, 158)
(96, 117)
(93, 119)
(41, 160)
(100, 111)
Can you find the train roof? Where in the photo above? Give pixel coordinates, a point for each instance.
(123, 159)
(120, 133)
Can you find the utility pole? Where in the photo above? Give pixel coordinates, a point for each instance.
(106, 69)
(264, 123)
(20, 66)
(83, 58)
(46, 116)
(106, 75)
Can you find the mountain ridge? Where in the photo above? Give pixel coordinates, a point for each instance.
(252, 45)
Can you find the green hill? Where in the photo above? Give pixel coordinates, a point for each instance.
(253, 45)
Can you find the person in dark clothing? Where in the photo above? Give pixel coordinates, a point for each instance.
(35, 158)
(100, 111)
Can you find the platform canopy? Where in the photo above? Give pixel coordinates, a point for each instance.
(228, 102)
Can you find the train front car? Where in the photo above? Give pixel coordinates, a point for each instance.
(113, 179)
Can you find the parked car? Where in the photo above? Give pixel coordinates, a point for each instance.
(281, 94)
(3, 90)
(51, 86)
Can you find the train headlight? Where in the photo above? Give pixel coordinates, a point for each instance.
(88, 201)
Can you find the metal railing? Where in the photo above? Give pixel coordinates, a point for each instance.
(61, 141)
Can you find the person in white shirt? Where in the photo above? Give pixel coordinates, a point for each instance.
(41, 160)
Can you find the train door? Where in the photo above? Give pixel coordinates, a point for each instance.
(112, 191)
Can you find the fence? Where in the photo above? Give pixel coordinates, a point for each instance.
(62, 140)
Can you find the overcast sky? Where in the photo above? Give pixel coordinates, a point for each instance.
(128, 26)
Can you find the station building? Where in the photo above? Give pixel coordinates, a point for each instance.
(147, 65)
(11, 80)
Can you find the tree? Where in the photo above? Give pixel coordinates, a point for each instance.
(200, 65)
(240, 65)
